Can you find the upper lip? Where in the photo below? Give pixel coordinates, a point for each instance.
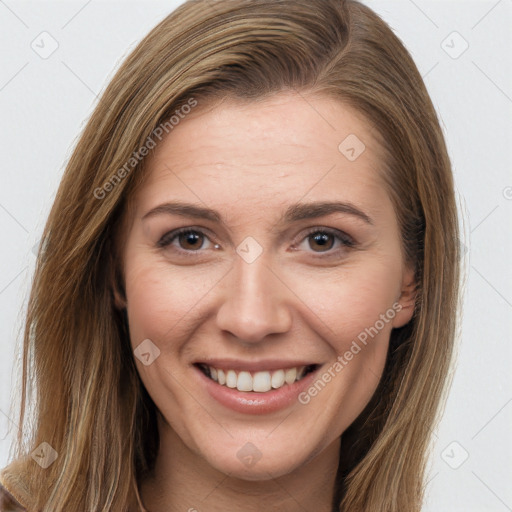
(255, 366)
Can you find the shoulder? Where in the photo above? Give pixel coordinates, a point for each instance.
(8, 502)
(12, 490)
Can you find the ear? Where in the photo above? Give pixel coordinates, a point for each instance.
(113, 271)
(407, 300)
(119, 299)
(117, 287)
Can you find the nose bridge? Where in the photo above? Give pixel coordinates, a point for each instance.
(254, 304)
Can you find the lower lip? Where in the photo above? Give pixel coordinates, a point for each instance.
(255, 402)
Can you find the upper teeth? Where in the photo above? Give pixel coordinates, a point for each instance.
(257, 381)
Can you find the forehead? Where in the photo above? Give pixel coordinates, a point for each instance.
(266, 152)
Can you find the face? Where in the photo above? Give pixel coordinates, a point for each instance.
(263, 275)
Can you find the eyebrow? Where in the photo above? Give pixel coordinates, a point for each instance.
(294, 213)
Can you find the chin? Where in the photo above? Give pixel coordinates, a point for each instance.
(249, 463)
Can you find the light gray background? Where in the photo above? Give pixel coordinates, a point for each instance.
(45, 101)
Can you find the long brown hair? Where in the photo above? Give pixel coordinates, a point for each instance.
(78, 371)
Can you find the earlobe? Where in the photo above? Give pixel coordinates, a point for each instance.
(119, 300)
(407, 300)
(118, 291)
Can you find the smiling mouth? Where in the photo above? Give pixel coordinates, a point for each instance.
(260, 381)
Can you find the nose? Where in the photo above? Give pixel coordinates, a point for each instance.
(254, 302)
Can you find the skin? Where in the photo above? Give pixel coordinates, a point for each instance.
(250, 161)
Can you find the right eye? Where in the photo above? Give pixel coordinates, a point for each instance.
(189, 240)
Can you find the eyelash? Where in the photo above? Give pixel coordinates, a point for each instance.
(345, 240)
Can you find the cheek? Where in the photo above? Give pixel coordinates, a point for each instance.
(355, 309)
(356, 312)
(351, 299)
(158, 298)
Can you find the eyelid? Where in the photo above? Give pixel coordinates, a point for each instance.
(346, 243)
(344, 237)
(174, 234)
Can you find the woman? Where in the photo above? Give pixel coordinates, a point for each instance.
(247, 290)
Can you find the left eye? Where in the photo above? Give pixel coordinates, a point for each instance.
(326, 239)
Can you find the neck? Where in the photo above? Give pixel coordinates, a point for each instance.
(184, 481)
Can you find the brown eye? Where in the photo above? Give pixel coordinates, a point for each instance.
(190, 240)
(184, 240)
(325, 241)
